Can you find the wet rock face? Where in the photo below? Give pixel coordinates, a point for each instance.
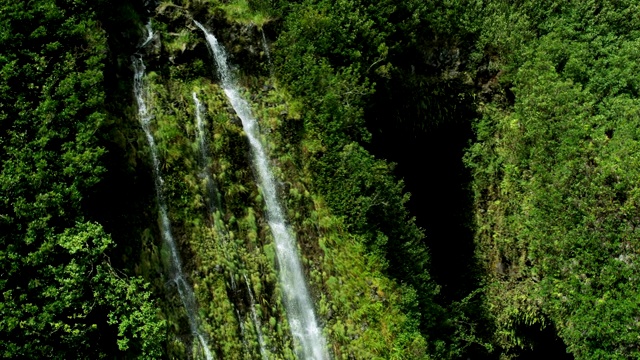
(445, 58)
(243, 42)
(244, 46)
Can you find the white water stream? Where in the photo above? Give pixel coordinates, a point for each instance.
(205, 173)
(265, 46)
(184, 289)
(302, 320)
(212, 193)
(149, 34)
(256, 321)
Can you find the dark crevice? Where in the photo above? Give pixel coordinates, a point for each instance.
(544, 344)
(427, 142)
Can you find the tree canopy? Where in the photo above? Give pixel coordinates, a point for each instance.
(60, 293)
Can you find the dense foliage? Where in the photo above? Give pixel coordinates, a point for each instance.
(555, 178)
(539, 100)
(60, 294)
(338, 250)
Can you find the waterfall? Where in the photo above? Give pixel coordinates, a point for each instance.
(205, 174)
(256, 320)
(266, 47)
(300, 314)
(213, 204)
(175, 265)
(149, 34)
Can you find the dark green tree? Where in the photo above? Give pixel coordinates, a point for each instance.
(61, 298)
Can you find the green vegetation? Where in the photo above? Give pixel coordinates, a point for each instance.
(543, 94)
(555, 180)
(61, 296)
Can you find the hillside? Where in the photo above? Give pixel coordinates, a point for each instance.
(266, 179)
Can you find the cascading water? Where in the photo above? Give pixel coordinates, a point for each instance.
(213, 201)
(149, 34)
(212, 193)
(175, 265)
(300, 314)
(266, 47)
(213, 204)
(256, 321)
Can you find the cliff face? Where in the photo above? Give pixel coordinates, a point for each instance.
(228, 254)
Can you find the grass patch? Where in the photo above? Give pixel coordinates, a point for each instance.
(240, 11)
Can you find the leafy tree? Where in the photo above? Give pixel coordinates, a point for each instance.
(555, 180)
(60, 294)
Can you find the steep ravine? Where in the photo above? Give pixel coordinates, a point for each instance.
(234, 254)
(230, 254)
(430, 162)
(428, 139)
